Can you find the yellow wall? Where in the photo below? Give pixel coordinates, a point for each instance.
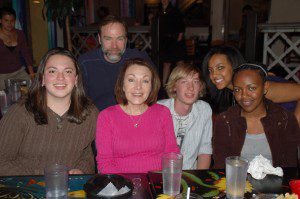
(39, 32)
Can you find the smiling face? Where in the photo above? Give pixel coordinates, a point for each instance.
(137, 85)
(187, 89)
(249, 91)
(113, 41)
(59, 77)
(8, 22)
(220, 71)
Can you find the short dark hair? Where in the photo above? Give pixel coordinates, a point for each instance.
(36, 101)
(261, 69)
(109, 19)
(155, 82)
(7, 11)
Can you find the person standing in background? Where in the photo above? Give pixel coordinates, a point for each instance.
(101, 66)
(13, 48)
(247, 9)
(172, 28)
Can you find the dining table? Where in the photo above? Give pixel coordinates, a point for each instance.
(207, 183)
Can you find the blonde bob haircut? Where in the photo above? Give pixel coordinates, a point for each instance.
(183, 70)
(155, 82)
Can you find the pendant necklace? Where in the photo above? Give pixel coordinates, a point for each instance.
(135, 123)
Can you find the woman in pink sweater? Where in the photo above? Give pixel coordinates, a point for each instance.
(133, 135)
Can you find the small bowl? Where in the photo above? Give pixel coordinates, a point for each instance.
(295, 187)
(95, 184)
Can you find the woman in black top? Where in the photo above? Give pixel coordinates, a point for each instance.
(171, 30)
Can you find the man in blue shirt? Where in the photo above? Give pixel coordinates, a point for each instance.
(101, 67)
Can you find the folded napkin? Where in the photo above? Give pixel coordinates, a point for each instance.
(259, 167)
(111, 190)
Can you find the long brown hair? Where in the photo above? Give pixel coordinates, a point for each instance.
(36, 101)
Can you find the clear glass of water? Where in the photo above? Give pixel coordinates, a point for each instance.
(236, 174)
(172, 170)
(56, 178)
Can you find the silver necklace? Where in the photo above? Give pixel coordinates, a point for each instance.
(135, 123)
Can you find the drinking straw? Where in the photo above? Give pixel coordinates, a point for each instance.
(188, 193)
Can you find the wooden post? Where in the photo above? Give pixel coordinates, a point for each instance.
(251, 31)
(68, 32)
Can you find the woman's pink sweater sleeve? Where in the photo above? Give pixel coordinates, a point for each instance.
(104, 139)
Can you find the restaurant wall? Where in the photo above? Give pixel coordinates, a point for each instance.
(39, 32)
(287, 12)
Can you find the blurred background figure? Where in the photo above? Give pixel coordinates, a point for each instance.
(242, 32)
(172, 45)
(102, 12)
(13, 49)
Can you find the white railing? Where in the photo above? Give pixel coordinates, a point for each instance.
(86, 39)
(281, 44)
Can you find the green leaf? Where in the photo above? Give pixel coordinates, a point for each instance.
(184, 185)
(197, 180)
(214, 175)
(211, 193)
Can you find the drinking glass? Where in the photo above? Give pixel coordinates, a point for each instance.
(15, 92)
(236, 174)
(56, 178)
(172, 170)
(4, 102)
